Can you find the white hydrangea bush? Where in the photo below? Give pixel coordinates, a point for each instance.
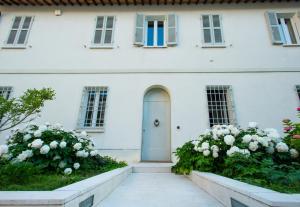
(228, 140)
(49, 146)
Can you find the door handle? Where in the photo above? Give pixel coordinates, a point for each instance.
(156, 122)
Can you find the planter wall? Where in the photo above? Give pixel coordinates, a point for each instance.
(229, 191)
(90, 192)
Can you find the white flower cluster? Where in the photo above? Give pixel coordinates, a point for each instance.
(235, 149)
(39, 145)
(223, 137)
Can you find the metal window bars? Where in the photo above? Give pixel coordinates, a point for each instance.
(93, 107)
(220, 105)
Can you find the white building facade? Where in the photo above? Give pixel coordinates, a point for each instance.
(144, 79)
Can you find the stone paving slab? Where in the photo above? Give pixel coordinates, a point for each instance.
(158, 190)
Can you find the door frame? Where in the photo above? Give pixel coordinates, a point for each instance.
(142, 115)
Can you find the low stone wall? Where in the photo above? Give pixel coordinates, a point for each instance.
(86, 193)
(235, 193)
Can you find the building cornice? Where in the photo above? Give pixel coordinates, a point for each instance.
(127, 2)
(147, 71)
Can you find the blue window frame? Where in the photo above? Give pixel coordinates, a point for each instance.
(155, 35)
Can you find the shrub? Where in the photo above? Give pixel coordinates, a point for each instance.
(210, 151)
(53, 149)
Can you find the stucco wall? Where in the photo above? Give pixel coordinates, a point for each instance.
(59, 47)
(263, 97)
(61, 43)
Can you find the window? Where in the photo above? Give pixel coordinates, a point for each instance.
(212, 30)
(5, 92)
(104, 30)
(220, 105)
(283, 28)
(20, 30)
(156, 31)
(298, 91)
(93, 107)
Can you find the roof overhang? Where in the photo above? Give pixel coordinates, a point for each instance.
(125, 2)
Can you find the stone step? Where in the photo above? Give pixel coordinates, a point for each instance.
(152, 167)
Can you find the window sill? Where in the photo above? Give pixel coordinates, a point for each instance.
(213, 46)
(164, 46)
(14, 47)
(101, 47)
(91, 130)
(291, 45)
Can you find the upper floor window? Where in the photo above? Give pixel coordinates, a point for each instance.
(220, 105)
(104, 31)
(19, 32)
(212, 30)
(93, 108)
(156, 31)
(283, 28)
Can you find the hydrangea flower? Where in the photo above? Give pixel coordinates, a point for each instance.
(247, 138)
(44, 149)
(205, 145)
(62, 144)
(229, 139)
(24, 155)
(68, 171)
(27, 137)
(252, 124)
(253, 146)
(82, 153)
(215, 154)
(37, 133)
(215, 148)
(232, 150)
(206, 152)
(77, 146)
(282, 147)
(53, 144)
(43, 128)
(94, 153)
(294, 153)
(37, 143)
(76, 165)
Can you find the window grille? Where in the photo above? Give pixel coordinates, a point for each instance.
(5, 92)
(93, 107)
(298, 91)
(220, 105)
(20, 29)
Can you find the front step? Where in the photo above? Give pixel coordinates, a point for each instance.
(152, 167)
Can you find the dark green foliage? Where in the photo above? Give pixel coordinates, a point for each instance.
(26, 176)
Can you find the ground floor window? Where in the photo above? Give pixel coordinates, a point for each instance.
(298, 91)
(93, 107)
(220, 105)
(5, 92)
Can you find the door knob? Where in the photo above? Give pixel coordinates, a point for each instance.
(156, 122)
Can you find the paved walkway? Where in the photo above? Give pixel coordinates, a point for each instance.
(158, 190)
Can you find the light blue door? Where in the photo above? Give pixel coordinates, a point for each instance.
(156, 141)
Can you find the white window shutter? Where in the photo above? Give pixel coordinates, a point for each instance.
(172, 30)
(274, 28)
(139, 30)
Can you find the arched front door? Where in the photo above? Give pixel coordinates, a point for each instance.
(156, 140)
